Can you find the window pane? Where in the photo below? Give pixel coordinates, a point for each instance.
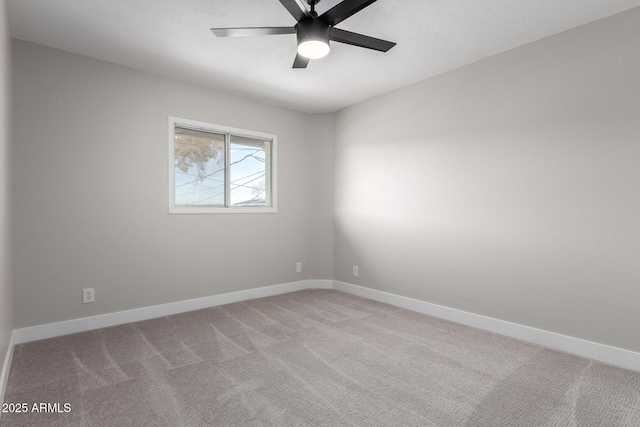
(249, 172)
(199, 168)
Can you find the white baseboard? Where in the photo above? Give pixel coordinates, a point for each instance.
(50, 330)
(612, 355)
(6, 367)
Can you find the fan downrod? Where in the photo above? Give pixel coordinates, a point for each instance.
(313, 4)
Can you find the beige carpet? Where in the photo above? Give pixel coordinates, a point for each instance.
(312, 358)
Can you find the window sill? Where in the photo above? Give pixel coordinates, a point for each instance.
(229, 210)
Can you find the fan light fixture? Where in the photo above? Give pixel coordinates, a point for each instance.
(314, 49)
(313, 38)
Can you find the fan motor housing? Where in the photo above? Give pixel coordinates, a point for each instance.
(312, 29)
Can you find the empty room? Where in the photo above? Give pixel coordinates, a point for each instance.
(319, 213)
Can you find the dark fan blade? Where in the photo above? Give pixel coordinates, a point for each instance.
(296, 8)
(342, 36)
(300, 61)
(342, 11)
(252, 31)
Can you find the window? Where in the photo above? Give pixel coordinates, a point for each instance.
(218, 169)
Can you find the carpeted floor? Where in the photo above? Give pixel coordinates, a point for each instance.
(311, 358)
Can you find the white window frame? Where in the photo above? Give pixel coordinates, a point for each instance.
(271, 176)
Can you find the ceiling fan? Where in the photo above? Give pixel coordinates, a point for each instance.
(314, 32)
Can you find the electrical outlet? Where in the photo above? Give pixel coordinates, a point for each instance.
(355, 270)
(298, 267)
(88, 295)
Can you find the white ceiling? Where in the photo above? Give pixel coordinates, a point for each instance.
(172, 38)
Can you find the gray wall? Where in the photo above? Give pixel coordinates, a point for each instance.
(6, 280)
(507, 188)
(91, 203)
